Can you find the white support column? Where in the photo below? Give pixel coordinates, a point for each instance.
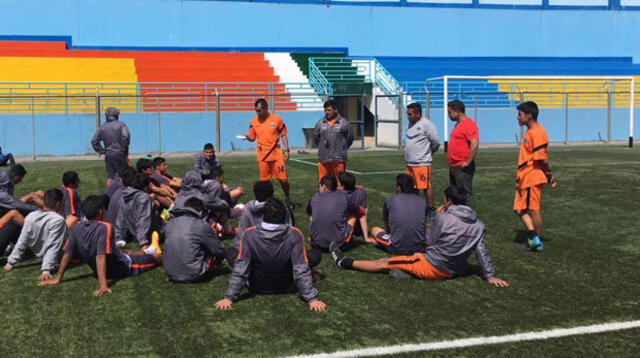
(445, 100)
(631, 109)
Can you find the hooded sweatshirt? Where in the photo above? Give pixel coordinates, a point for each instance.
(7, 200)
(212, 192)
(272, 259)
(43, 233)
(451, 238)
(252, 216)
(203, 165)
(189, 245)
(134, 216)
(191, 185)
(115, 135)
(333, 141)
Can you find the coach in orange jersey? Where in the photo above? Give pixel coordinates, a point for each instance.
(532, 173)
(267, 129)
(333, 136)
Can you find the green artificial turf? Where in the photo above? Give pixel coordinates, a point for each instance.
(588, 274)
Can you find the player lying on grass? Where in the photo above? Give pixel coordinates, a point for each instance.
(404, 217)
(161, 174)
(43, 233)
(357, 203)
(93, 242)
(454, 233)
(191, 249)
(532, 173)
(137, 217)
(71, 204)
(252, 215)
(328, 210)
(272, 259)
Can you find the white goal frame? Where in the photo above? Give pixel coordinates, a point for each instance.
(446, 79)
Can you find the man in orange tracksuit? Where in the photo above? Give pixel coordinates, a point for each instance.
(267, 129)
(532, 173)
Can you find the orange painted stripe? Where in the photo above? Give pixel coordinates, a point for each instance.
(108, 241)
(143, 265)
(383, 242)
(304, 249)
(71, 200)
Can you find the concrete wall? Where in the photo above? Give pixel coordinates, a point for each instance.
(70, 134)
(363, 30)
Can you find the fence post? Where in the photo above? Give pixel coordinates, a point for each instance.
(609, 105)
(521, 128)
(97, 109)
(159, 133)
(66, 99)
(33, 131)
(475, 108)
(566, 118)
(218, 141)
(427, 104)
(206, 97)
(400, 112)
(272, 102)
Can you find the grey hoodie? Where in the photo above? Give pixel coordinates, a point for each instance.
(134, 217)
(421, 143)
(203, 165)
(333, 142)
(191, 185)
(43, 233)
(114, 134)
(212, 192)
(7, 200)
(252, 216)
(451, 238)
(272, 259)
(189, 244)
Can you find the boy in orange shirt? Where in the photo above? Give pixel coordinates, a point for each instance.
(267, 129)
(532, 173)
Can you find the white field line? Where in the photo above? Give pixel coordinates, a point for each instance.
(478, 167)
(477, 341)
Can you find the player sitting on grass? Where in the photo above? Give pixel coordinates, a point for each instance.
(272, 259)
(191, 188)
(8, 180)
(43, 233)
(71, 204)
(357, 203)
(206, 160)
(252, 215)
(163, 194)
(532, 173)
(115, 197)
(137, 217)
(161, 174)
(404, 217)
(454, 233)
(216, 200)
(92, 242)
(191, 249)
(328, 215)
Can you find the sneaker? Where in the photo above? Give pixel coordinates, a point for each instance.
(155, 242)
(121, 243)
(336, 253)
(535, 244)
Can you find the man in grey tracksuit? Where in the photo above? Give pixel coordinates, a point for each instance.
(333, 136)
(115, 136)
(191, 248)
(421, 142)
(43, 233)
(191, 188)
(272, 259)
(454, 234)
(8, 180)
(205, 161)
(137, 218)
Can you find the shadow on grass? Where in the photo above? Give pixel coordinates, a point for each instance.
(521, 236)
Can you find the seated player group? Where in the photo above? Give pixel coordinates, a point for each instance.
(180, 223)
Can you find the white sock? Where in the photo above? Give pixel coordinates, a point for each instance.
(120, 244)
(150, 250)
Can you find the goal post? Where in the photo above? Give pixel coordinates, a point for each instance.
(554, 91)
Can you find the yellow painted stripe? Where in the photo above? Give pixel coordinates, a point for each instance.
(67, 69)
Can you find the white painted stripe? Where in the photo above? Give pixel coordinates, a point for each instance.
(478, 341)
(480, 167)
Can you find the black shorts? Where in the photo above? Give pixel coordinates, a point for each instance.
(115, 163)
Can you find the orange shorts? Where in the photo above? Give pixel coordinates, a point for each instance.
(272, 170)
(333, 169)
(418, 266)
(421, 176)
(528, 199)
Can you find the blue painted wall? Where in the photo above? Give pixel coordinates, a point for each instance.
(70, 134)
(364, 30)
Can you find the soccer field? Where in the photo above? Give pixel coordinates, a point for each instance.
(588, 274)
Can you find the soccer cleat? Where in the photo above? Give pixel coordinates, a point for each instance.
(336, 254)
(155, 242)
(535, 244)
